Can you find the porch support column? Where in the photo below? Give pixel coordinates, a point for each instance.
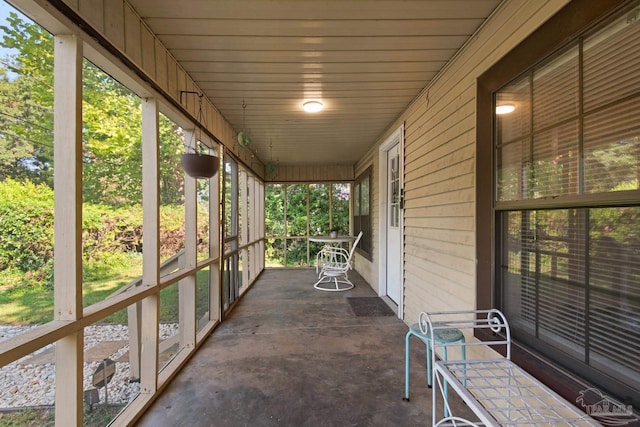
(252, 266)
(187, 286)
(215, 243)
(151, 249)
(243, 231)
(67, 142)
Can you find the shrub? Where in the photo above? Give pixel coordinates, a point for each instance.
(26, 230)
(109, 234)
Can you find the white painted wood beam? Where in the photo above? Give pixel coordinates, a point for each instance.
(215, 243)
(67, 137)
(187, 286)
(151, 250)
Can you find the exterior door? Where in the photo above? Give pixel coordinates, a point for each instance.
(394, 224)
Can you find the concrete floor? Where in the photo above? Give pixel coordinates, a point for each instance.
(290, 355)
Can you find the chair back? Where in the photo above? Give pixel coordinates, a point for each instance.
(353, 247)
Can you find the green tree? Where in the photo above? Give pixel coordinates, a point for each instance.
(112, 158)
(112, 136)
(171, 172)
(26, 102)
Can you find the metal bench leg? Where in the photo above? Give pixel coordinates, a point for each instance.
(406, 366)
(428, 346)
(464, 357)
(446, 387)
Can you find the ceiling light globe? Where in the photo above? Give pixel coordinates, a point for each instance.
(312, 106)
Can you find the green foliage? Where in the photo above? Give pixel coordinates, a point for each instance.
(101, 415)
(274, 209)
(113, 148)
(171, 173)
(296, 210)
(340, 219)
(26, 227)
(34, 46)
(613, 166)
(112, 154)
(619, 224)
(26, 102)
(112, 178)
(28, 418)
(109, 234)
(319, 209)
(111, 240)
(26, 305)
(311, 210)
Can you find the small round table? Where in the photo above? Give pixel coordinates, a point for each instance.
(442, 336)
(331, 240)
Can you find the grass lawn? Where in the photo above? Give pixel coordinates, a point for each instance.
(34, 305)
(100, 416)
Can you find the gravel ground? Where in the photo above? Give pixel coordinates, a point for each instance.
(30, 381)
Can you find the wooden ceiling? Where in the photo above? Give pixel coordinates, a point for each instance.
(364, 59)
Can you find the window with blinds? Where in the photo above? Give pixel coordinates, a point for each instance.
(361, 212)
(568, 204)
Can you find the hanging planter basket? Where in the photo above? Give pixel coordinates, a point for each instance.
(194, 163)
(200, 165)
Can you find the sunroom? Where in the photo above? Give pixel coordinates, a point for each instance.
(463, 205)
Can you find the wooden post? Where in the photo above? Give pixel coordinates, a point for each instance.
(187, 286)
(151, 250)
(67, 142)
(253, 255)
(215, 243)
(243, 231)
(134, 320)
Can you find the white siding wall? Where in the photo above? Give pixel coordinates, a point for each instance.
(439, 180)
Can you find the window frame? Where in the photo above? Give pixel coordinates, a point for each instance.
(366, 242)
(572, 21)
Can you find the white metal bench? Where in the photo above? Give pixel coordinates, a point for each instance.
(498, 391)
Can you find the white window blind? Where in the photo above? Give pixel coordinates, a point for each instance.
(568, 164)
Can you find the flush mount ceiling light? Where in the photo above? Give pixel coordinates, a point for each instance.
(505, 108)
(312, 106)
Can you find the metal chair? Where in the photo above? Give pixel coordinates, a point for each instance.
(333, 264)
